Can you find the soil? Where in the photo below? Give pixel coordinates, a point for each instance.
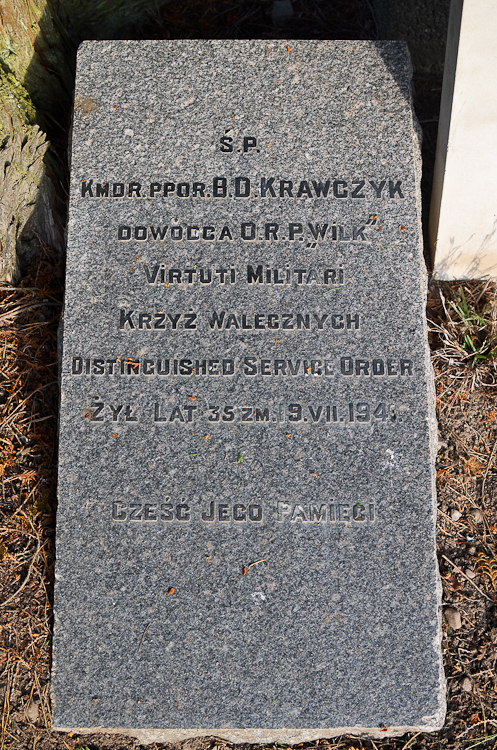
(466, 463)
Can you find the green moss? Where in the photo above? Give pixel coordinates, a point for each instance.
(15, 98)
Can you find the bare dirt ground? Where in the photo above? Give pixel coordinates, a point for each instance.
(463, 321)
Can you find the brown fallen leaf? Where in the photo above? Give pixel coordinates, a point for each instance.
(454, 582)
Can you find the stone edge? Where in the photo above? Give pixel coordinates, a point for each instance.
(258, 736)
(417, 136)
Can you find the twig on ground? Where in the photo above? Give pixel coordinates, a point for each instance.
(24, 583)
(470, 729)
(466, 577)
(143, 636)
(488, 468)
(411, 740)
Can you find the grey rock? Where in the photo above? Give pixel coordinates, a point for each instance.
(467, 685)
(453, 618)
(245, 529)
(477, 515)
(32, 711)
(456, 514)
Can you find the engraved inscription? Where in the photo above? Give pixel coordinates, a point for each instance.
(242, 187)
(252, 273)
(282, 252)
(335, 413)
(250, 366)
(247, 231)
(336, 512)
(246, 321)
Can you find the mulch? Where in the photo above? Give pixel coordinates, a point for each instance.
(463, 326)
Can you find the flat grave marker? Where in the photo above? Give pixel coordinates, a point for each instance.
(245, 531)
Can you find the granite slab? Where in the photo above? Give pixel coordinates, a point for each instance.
(245, 529)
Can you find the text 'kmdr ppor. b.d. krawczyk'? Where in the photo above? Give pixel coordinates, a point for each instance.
(243, 187)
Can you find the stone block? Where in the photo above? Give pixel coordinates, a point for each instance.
(463, 215)
(245, 529)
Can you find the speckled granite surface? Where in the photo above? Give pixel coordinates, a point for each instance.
(245, 533)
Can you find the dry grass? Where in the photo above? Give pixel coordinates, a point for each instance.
(28, 419)
(462, 319)
(463, 326)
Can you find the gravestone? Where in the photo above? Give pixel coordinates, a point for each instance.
(463, 219)
(245, 532)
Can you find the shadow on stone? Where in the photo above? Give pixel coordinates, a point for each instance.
(37, 66)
